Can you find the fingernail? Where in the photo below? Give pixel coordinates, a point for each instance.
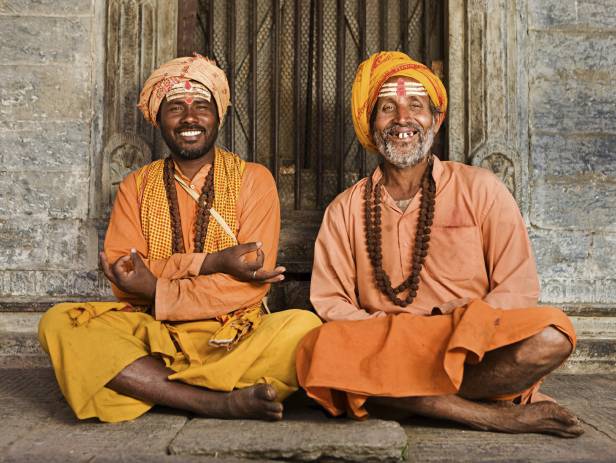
(259, 244)
(133, 250)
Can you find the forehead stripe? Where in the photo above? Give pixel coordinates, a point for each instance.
(189, 91)
(402, 88)
(406, 84)
(394, 93)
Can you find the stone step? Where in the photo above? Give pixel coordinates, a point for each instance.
(595, 352)
(37, 425)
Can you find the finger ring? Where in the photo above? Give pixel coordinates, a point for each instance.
(254, 275)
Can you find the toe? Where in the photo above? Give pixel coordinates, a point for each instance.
(576, 430)
(274, 413)
(266, 392)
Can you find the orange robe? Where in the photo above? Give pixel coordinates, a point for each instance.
(479, 249)
(89, 343)
(182, 295)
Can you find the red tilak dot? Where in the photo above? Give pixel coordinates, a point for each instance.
(187, 85)
(189, 100)
(401, 90)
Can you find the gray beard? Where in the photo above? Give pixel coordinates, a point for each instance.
(408, 157)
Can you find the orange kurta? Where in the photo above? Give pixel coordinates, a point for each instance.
(181, 294)
(89, 343)
(479, 249)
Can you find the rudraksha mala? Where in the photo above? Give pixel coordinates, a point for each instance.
(203, 213)
(422, 237)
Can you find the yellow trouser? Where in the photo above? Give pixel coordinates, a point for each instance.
(86, 356)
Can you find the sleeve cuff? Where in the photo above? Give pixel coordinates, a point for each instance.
(162, 289)
(194, 268)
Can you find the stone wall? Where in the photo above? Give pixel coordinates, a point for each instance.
(531, 91)
(49, 116)
(571, 62)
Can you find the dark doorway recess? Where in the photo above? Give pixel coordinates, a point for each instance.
(290, 65)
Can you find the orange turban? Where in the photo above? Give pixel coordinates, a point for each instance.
(370, 77)
(197, 68)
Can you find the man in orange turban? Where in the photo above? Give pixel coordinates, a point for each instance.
(187, 330)
(425, 275)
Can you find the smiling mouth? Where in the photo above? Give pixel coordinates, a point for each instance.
(406, 136)
(190, 133)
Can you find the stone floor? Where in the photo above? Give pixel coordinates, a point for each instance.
(37, 425)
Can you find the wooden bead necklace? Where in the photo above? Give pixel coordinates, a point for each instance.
(422, 237)
(203, 213)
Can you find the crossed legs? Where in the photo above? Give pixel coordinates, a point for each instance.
(105, 370)
(507, 370)
(146, 379)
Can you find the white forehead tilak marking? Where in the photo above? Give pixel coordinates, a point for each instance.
(189, 91)
(403, 88)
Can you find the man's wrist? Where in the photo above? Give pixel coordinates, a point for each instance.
(210, 264)
(152, 292)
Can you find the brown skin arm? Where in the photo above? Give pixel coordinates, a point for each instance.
(233, 261)
(130, 274)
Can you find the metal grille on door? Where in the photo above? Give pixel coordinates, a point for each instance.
(290, 65)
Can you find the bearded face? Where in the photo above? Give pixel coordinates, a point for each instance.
(189, 128)
(404, 145)
(403, 122)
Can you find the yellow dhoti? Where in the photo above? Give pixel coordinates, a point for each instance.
(88, 352)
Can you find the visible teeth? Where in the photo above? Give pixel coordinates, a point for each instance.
(190, 133)
(403, 135)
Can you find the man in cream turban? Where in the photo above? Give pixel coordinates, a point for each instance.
(190, 252)
(425, 275)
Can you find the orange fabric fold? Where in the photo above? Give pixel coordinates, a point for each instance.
(343, 363)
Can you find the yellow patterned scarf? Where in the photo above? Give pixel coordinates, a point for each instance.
(156, 227)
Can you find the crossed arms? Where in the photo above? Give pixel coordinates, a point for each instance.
(197, 286)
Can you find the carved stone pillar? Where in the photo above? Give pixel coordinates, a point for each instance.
(141, 35)
(488, 112)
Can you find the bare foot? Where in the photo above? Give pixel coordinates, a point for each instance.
(256, 402)
(539, 417)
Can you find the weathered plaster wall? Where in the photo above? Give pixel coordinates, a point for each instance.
(50, 66)
(571, 62)
(532, 97)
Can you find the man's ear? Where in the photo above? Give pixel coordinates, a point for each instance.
(438, 122)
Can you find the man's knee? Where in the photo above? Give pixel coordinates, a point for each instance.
(547, 349)
(52, 322)
(300, 322)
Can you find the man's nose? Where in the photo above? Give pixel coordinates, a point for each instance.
(402, 114)
(189, 114)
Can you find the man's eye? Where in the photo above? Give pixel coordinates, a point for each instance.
(387, 108)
